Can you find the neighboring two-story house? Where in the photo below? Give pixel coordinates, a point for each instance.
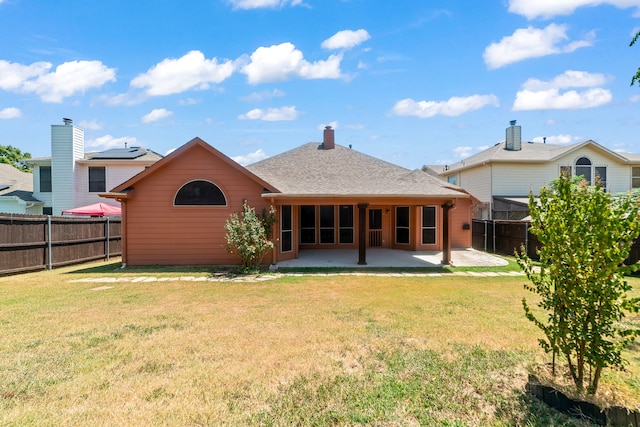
(503, 176)
(71, 178)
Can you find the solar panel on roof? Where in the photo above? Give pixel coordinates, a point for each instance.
(119, 153)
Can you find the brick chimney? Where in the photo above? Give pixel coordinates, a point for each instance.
(328, 143)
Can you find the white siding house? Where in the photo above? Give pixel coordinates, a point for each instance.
(71, 178)
(503, 176)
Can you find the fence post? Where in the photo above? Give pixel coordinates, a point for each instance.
(494, 236)
(107, 242)
(485, 235)
(526, 238)
(49, 245)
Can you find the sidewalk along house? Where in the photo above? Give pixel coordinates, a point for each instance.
(71, 178)
(16, 191)
(326, 196)
(501, 177)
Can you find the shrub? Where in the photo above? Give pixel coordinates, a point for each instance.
(249, 235)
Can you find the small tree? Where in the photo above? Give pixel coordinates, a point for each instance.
(636, 78)
(15, 157)
(585, 236)
(248, 235)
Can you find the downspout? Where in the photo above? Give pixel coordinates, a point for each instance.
(123, 232)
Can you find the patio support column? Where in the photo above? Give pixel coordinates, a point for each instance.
(446, 241)
(362, 233)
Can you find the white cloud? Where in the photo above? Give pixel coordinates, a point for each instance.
(569, 78)
(462, 152)
(531, 43)
(191, 71)
(271, 114)
(557, 139)
(552, 99)
(251, 157)
(189, 101)
(282, 62)
(156, 114)
(261, 4)
(454, 106)
(346, 39)
(13, 75)
(540, 95)
(333, 124)
(108, 141)
(550, 8)
(634, 99)
(10, 113)
(90, 124)
(264, 95)
(69, 78)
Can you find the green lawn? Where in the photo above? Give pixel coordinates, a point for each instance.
(311, 350)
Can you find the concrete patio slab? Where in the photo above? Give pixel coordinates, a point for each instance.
(378, 257)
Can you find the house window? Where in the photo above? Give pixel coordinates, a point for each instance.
(307, 224)
(635, 177)
(327, 224)
(286, 229)
(565, 171)
(402, 224)
(47, 210)
(583, 168)
(428, 225)
(452, 179)
(97, 181)
(593, 175)
(45, 179)
(601, 176)
(346, 223)
(198, 193)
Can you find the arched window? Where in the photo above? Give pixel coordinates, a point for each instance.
(198, 193)
(583, 167)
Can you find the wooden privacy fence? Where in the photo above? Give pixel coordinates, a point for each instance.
(36, 242)
(505, 237)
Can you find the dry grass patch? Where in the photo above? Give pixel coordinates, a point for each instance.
(346, 350)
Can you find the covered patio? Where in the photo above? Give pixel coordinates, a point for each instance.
(382, 257)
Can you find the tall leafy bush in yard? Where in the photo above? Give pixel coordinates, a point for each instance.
(248, 235)
(585, 236)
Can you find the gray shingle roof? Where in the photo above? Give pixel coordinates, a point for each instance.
(530, 153)
(14, 182)
(310, 170)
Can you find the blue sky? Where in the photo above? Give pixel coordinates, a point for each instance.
(412, 82)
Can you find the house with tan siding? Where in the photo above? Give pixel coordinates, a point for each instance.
(502, 177)
(326, 196)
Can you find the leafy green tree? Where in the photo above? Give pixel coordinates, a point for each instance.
(14, 157)
(585, 236)
(248, 235)
(635, 79)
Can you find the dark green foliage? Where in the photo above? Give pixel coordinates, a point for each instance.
(249, 235)
(14, 156)
(636, 78)
(586, 235)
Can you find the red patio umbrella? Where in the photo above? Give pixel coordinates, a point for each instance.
(97, 209)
